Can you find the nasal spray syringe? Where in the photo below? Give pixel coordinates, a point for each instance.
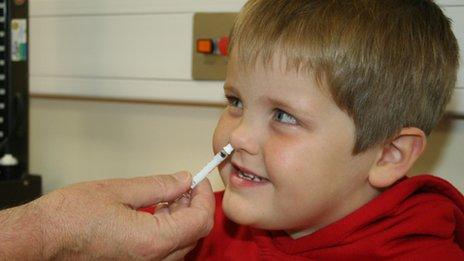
(199, 177)
(217, 159)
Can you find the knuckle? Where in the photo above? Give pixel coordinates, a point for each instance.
(160, 183)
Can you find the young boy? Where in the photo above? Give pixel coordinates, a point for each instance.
(329, 105)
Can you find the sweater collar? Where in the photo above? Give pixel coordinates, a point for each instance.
(362, 223)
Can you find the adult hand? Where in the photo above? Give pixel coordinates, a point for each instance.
(99, 219)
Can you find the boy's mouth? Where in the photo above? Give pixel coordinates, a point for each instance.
(248, 175)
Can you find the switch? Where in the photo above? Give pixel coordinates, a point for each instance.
(213, 46)
(205, 46)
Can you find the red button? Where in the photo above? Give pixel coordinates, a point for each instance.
(223, 45)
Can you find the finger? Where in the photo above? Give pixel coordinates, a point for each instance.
(186, 225)
(145, 191)
(200, 215)
(202, 198)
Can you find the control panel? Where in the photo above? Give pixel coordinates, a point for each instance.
(210, 45)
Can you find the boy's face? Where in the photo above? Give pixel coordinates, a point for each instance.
(292, 167)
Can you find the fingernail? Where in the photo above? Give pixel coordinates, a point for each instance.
(182, 176)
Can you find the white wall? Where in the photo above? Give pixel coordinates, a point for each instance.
(444, 153)
(73, 141)
(140, 50)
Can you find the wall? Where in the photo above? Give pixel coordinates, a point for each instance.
(444, 153)
(101, 48)
(138, 49)
(73, 141)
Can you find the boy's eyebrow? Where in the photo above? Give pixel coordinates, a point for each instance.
(303, 110)
(230, 88)
(280, 103)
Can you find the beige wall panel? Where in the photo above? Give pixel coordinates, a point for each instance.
(73, 141)
(125, 46)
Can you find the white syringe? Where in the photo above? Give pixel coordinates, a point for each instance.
(217, 159)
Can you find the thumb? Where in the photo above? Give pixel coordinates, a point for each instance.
(146, 191)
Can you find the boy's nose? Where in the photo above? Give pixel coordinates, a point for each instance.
(245, 138)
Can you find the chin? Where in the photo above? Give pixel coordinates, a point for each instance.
(237, 210)
(248, 220)
(241, 219)
(243, 213)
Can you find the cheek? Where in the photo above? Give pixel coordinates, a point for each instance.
(287, 162)
(221, 133)
(299, 164)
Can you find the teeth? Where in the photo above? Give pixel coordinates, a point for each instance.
(250, 177)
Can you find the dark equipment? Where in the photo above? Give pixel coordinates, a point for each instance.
(17, 186)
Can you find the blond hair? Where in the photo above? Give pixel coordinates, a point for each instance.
(389, 64)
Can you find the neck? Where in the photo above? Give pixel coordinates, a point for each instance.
(338, 211)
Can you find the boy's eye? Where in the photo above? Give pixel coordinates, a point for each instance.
(234, 101)
(284, 117)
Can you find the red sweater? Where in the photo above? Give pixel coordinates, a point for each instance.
(419, 218)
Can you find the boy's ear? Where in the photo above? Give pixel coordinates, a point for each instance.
(397, 157)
